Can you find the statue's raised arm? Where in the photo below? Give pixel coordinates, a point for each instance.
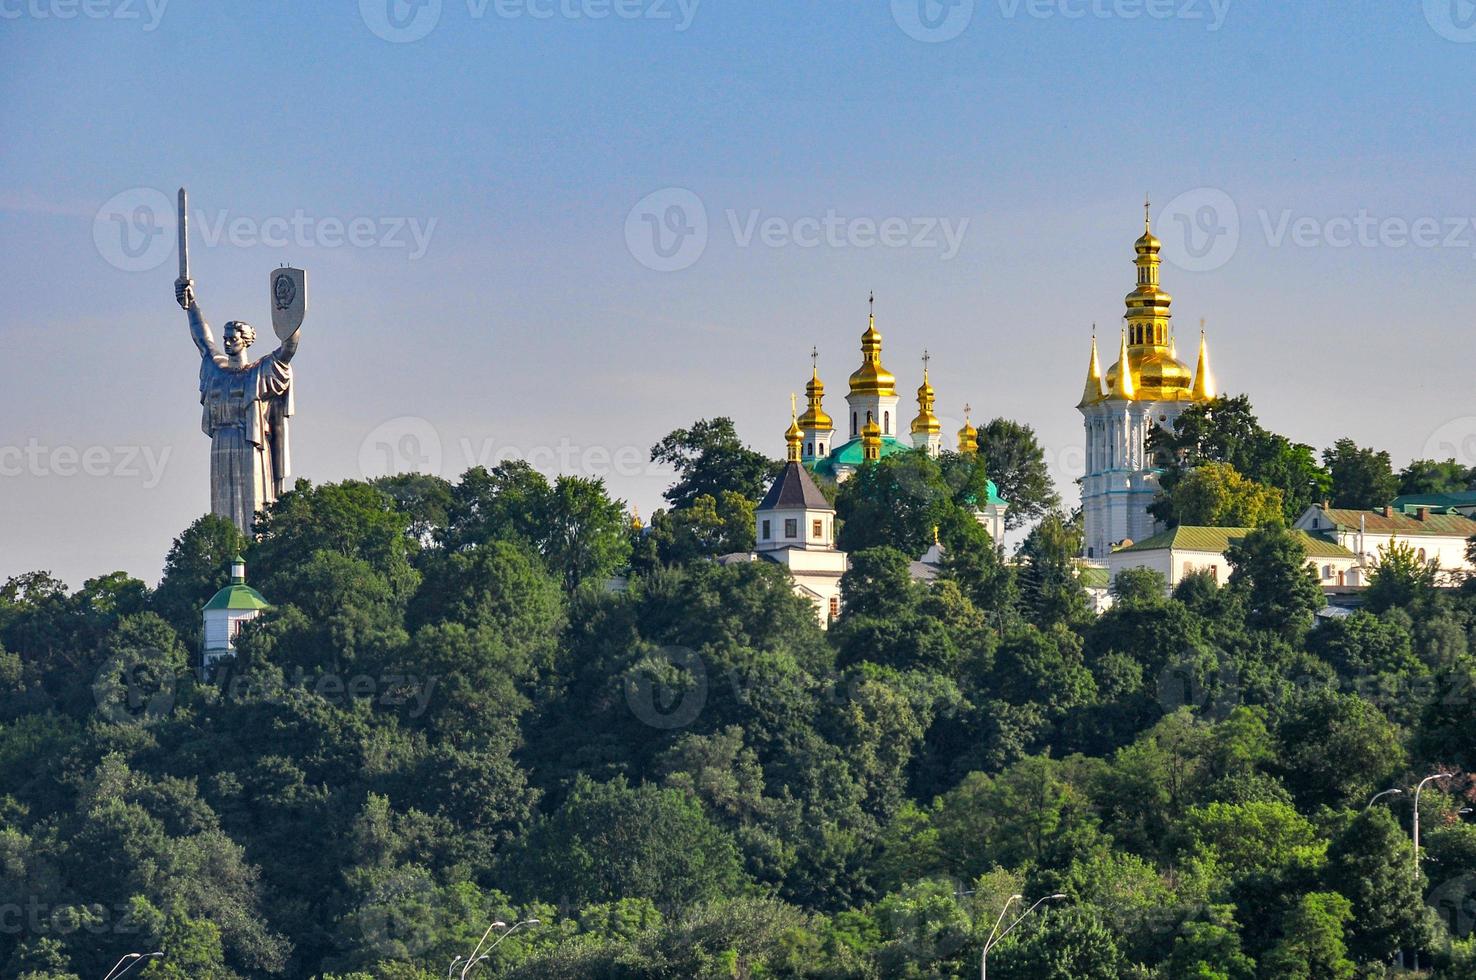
(184, 294)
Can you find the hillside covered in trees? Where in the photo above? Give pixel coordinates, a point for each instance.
(453, 714)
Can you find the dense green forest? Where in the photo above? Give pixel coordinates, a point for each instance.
(452, 716)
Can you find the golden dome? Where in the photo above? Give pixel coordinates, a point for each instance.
(871, 439)
(815, 418)
(926, 422)
(871, 378)
(968, 436)
(793, 437)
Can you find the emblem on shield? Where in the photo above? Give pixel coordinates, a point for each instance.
(289, 300)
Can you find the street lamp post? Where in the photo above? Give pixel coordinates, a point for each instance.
(1438, 775)
(132, 960)
(994, 939)
(478, 955)
(1387, 792)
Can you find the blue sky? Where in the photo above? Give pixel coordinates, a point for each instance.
(1323, 149)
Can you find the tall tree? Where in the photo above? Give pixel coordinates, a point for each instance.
(1270, 569)
(1436, 476)
(1017, 465)
(1216, 495)
(1362, 479)
(710, 458)
(1226, 430)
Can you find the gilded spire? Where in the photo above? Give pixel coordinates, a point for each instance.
(815, 419)
(871, 378)
(1091, 391)
(1122, 383)
(926, 422)
(793, 437)
(1204, 381)
(968, 436)
(871, 440)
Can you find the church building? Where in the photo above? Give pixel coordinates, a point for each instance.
(1147, 386)
(228, 610)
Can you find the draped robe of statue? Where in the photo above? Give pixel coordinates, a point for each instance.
(245, 413)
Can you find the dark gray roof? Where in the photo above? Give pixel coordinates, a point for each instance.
(794, 489)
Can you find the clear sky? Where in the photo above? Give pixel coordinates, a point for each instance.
(513, 287)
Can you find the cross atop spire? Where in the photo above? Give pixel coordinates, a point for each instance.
(815, 360)
(1147, 212)
(967, 409)
(925, 359)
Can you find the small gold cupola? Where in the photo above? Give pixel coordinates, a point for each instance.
(1156, 374)
(926, 422)
(793, 437)
(968, 436)
(871, 440)
(871, 378)
(815, 417)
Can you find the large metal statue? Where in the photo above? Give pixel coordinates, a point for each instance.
(246, 403)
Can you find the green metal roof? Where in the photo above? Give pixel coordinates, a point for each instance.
(238, 596)
(851, 453)
(1216, 540)
(1093, 576)
(1462, 498)
(1400, 523)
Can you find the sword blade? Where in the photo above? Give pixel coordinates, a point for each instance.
(184, 234)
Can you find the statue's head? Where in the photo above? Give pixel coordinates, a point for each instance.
(239, 335)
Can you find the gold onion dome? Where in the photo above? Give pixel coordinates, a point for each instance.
(926, 422)
(871, 439)
(1154, 372)
(815, 417)
(793, 437)
(968, 436)
(871, 378)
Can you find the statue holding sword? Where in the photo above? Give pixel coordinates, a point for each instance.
(246, 404)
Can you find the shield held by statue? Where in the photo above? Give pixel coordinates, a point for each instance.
(289, 300)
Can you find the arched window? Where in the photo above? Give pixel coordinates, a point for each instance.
(853, 423)
(887, 424)
(809, 449)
